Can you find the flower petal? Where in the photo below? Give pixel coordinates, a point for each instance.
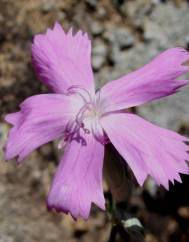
(42, 118)
(63, 59)
(13, 118)
(148, 149)
(155, 80)
(78, 179)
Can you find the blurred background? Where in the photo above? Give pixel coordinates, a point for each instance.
(125, 35)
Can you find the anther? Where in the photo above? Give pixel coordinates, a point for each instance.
(82, 125)
(87, 131)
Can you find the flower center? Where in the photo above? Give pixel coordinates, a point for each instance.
(87, 119)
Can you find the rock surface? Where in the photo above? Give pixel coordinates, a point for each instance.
(125, 35)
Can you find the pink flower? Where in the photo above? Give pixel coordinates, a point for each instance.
(86, 120)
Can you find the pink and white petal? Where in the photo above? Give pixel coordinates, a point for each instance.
(148, 149)
(78, 179)
(62, 60)
(42, 118)
(155, 80)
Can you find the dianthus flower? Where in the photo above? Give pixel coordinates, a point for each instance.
(84, 120)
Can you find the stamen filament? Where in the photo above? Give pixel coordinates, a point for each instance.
(76, 89)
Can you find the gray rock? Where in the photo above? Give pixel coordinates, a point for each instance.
(97, 28)
(6, 238)
(92, 3)
(99, 54)
(121, 37)
(3, 134)
(187, 41)
(114, 54)
(124, 38)
(137, 11)
(47, 6)
(163, 27)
